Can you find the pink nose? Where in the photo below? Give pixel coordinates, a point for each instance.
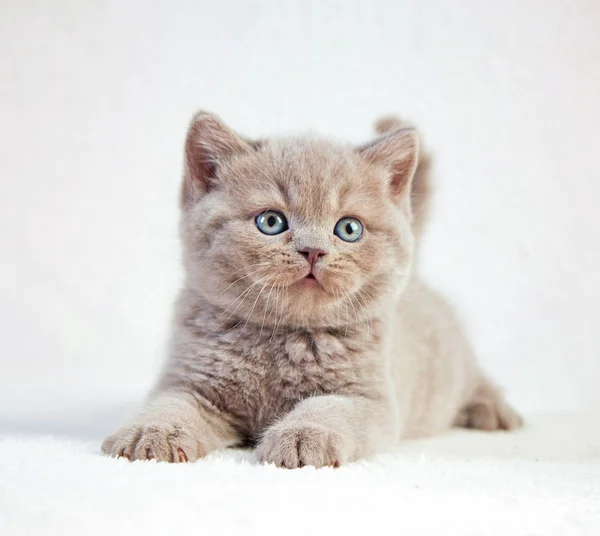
(312, 254)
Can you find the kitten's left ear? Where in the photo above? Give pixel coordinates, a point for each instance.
(397, 151)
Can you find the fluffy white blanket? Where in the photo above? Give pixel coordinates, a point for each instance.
(544, 480)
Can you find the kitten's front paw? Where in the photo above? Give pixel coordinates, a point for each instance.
(297, 445)
(160, 441)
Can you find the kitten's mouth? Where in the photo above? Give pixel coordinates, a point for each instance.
(310, 280)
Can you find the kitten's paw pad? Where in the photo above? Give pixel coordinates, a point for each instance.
(489, 415)
(162, 442)
(300, 445)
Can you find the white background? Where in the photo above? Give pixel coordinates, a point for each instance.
(94, 102)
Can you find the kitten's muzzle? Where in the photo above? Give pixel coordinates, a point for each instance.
(312, 255)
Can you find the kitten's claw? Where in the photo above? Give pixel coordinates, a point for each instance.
(297, 445)
(163, 442)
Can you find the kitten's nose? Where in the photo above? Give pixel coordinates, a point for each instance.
(312, 254)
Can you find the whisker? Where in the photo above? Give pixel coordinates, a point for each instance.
(276, 310)
(356, 297)
(245, 294)
(244, 277)
(347, 317)
(349, 300)
(360, 301)
(252, 309)
(283, 294)
(265, 312)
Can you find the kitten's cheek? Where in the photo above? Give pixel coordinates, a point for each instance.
(340, 284)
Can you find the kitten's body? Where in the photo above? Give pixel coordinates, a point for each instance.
(312, 373)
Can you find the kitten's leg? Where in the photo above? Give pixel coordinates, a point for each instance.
(488, 410)
(329, 430)
(174, 427)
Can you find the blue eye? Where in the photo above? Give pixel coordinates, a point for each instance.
(348, 229)
(271, 222)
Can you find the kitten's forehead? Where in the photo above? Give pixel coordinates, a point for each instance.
(310, 175)
(312, 162)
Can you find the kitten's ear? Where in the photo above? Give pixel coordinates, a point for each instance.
(397, 151)
(387, 123)
(208, 142)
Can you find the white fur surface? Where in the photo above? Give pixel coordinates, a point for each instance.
(543, 480)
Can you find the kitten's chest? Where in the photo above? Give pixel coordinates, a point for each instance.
(305, 363)
(269, 378)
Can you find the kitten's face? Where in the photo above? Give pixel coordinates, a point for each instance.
(300, 232)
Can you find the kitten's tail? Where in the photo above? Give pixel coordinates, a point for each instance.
(421, 185)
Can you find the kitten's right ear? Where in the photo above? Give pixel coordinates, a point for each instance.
(398, 152)
(389, 123)
(209, 141)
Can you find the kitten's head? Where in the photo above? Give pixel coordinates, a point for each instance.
(300, 232)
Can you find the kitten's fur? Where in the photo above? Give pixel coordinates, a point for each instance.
(311, 375)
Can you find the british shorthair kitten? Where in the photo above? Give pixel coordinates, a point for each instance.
(302, 327)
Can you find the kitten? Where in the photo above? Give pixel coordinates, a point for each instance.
(302, 327)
